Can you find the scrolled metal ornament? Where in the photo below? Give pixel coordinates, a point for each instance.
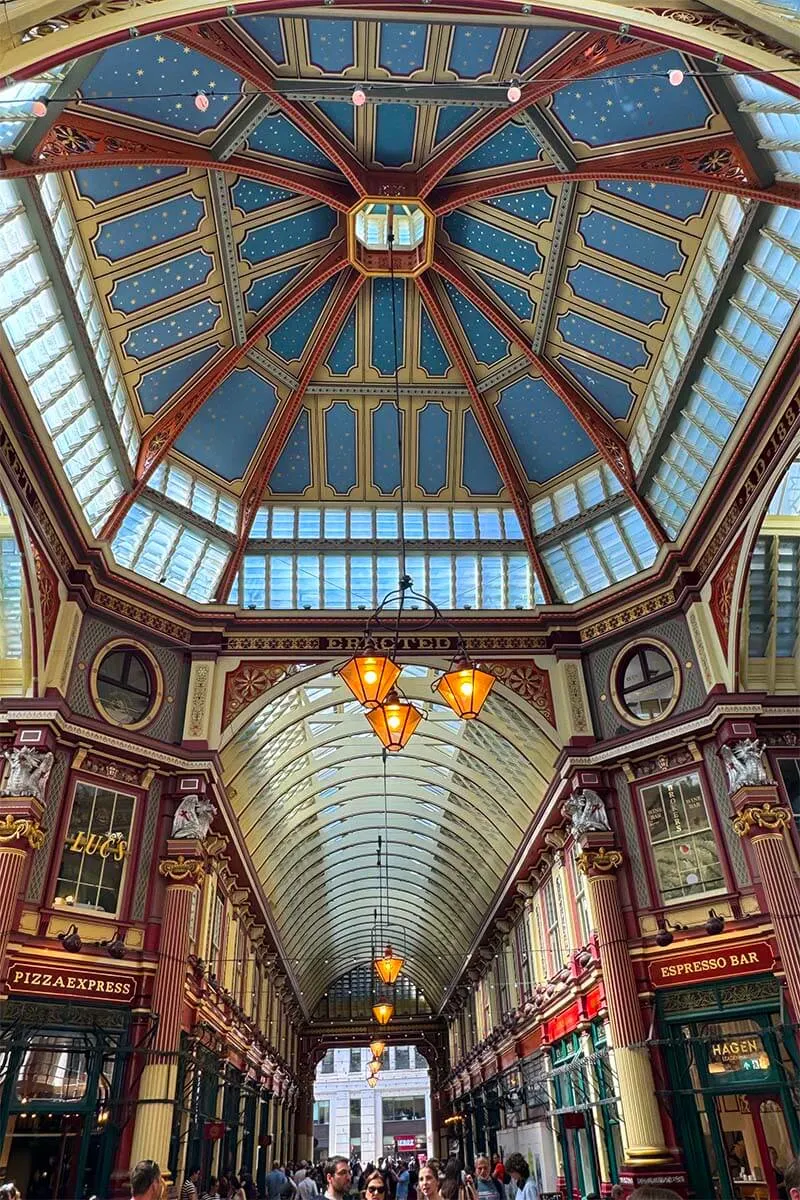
(602, 860)
(18, 829)
(771, 817)
(181, 869)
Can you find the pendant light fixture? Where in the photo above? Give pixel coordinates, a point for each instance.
(372, 675)
(383, 1011)
(388, 964)
(377, 1048)
(374, 1066)
(372, 1081)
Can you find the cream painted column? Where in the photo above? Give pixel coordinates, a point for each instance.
(21, 836)
(644, 1143)
(183, 868)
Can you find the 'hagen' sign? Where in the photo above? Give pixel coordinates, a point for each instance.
(71, 983)
(673, 969)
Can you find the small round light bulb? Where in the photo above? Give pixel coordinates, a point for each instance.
(359, 97)
(514, 93)
(675, 77)
(201, 102)
(39, 108)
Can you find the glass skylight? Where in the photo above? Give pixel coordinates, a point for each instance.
(574, 498)
(776, 118)
(687, 323)
(15, 105)
(11, 596)
(751, 325)
(786, 501)
(167, 550)
(373, 223)
(363, 523)
(360, 581)
(32, 321)
(612, 548)
(195, 494)
(80, 278)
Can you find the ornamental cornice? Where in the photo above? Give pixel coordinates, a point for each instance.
(772, 818)
(21, 829)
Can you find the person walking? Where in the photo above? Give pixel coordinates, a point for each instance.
(429, 1180)
(337, 1177)
(489, 1186)
(191, 1180)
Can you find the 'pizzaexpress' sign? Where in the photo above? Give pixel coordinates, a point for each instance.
(71, 983)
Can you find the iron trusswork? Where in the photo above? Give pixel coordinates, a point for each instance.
(645, 1146)
(183, 869)
(603, 433)
(512, 477)
(764, 821)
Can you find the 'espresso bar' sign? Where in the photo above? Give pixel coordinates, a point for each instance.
(70, 983)
(673, 969)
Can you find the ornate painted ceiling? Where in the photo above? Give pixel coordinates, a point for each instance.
(575, 245)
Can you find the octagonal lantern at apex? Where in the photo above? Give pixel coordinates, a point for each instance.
(390, 236)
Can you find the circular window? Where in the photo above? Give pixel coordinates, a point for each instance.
(125, 684)
(646, 682)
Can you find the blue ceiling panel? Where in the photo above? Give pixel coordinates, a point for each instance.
(161, 384)
(155, 79)
(167, 331)
(290, 338)
(145, 228)
(248, 195)
(534, 205)
(382, 355)
(433, 358)
(615, 395)
(631, 101)
(331, 45)
(395, 128)
(341, 464)
(267, 33)
(261, 291)
(479, 474)
(103, 183)
(618, 295)
(448, 120)
(224, 433)
(544, 433)
(279, 237)
(491, 242)
(292, 472)
(433, 425)
(342, 114)
(136, 292)
(403, 47)
(679, 202)
(630, 243)
(539, 42)
(278, 137)
(342, 357)
(385, 458)
(511, 144)
(517, 299)
(473, 50)
(487, 344)
(602, 340)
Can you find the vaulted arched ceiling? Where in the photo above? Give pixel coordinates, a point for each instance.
(305, 777)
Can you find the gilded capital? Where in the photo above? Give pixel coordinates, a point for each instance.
(771, 817)
(181, 869)
(600, 860)
(21, 829)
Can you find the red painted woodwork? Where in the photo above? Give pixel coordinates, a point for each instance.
(219, 42)
(267, 457)
(589, 54)
(716, 163)
(722, 593)
(603, 433)
(160, 436)
(77, 140)
(511, 473)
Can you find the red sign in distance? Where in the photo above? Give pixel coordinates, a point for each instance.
(671, 970)
(406, 1142)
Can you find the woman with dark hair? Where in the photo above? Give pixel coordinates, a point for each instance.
(373, 1185)
(237, 1191)
(517, 1167)
(457, 1185)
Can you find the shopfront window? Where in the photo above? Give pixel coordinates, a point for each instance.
(96, 849)
(581, 902)
(326, 1066)
(322, 1112)
(685, 852)
(355, 1123)
(402, 1058)
(215, 945)
(55, 1070)
(554, 940)
(404, 1108)
(355, 1061)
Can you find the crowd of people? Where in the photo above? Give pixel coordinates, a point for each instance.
(340, 1178)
